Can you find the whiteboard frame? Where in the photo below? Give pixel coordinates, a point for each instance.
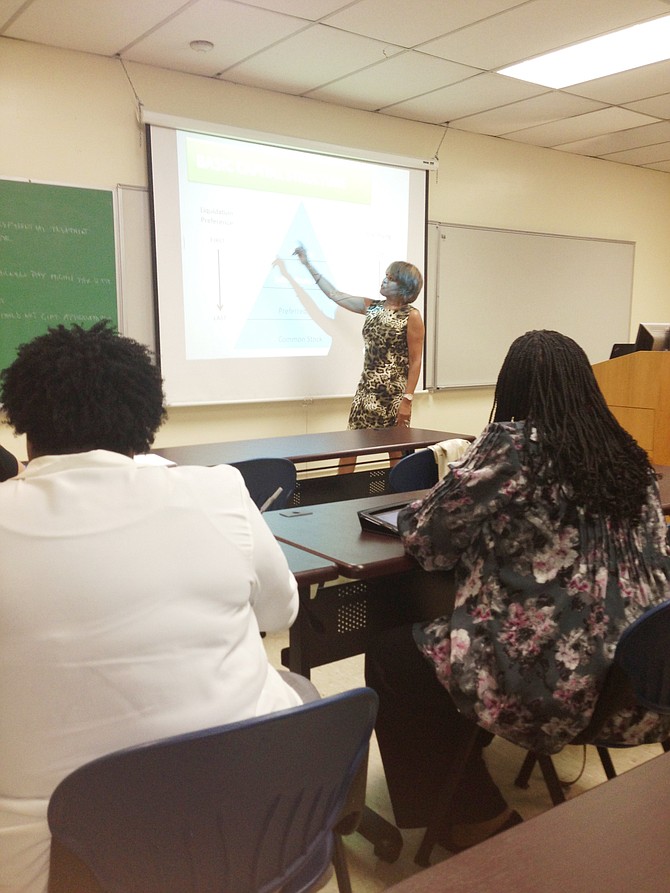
(479, 279)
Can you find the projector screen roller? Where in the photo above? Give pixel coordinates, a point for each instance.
(239, 318)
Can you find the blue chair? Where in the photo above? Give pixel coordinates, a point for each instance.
(639, 673)
(248, 807)
(264, 477)
(417, 471)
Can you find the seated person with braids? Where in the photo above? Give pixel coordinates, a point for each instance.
(553, 523)
(131, 597)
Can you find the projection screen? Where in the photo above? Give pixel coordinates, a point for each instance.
(238, 317)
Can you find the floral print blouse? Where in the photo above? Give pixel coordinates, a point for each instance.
(543, 594)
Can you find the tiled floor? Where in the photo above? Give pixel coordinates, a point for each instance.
(371, 875)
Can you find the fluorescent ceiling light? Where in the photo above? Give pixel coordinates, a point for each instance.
(622, 50)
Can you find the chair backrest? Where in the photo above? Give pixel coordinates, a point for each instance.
(418, 471)
(264, 477)
(638, 675)
(247, 807)
(643, 653)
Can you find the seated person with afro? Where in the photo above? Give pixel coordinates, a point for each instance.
(132, 596)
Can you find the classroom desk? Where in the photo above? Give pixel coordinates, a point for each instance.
(308, 568)
(384, 587)
(309, 447)
(613, 838)
(318, 483)
(333, 532)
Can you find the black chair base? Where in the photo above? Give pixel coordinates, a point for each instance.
(385, 837)
(555, 786)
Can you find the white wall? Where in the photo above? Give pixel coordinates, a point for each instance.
(73, 119)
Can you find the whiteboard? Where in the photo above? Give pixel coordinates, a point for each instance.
(488, 286)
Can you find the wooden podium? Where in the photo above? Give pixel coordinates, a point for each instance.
(636, 388)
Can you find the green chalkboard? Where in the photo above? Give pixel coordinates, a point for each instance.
(57, 260)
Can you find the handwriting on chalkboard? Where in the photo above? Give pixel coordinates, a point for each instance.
(57, 260)
(41, 228)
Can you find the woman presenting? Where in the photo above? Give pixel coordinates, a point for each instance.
(393, 334)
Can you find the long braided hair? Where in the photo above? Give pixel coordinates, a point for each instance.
(546, 379)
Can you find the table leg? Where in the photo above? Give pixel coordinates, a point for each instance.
(296, 656)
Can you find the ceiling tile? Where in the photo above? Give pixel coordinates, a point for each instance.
(580, 127)
(236, 31)
(536, 27)
(404, 75)
(660, 166)
(627, 86)
(484, 91)
(305, 9)
(389, 19)
(622, 139)
(537, 110)
(644, 155)
(310, 59)
(658, 106)
(7, 10)
(74, 25)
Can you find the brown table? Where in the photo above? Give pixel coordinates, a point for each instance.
(384, 586)
(308, 568)
(333, 532)
(309, 447)
(613, 838)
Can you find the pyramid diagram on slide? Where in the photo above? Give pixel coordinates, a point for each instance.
(278, 321)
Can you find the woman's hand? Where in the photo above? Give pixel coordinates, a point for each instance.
(301, 254)
(404, 413)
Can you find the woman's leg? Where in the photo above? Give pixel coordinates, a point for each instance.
(418, 731)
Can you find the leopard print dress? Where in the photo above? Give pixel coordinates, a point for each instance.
(385, 367)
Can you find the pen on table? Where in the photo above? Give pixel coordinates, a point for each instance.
(268, 502)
